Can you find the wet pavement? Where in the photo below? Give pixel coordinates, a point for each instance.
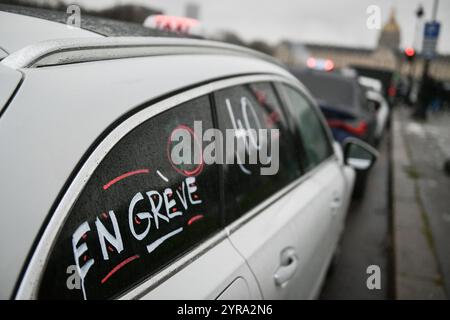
(366, 240)
(414, 210)
(428, 147)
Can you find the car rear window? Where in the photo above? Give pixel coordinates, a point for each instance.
(137, 213)
(329, 90)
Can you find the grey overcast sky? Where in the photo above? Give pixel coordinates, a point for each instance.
(335, 22)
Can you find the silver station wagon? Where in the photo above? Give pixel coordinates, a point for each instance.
(93, 207)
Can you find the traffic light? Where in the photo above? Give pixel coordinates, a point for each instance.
(410, 53)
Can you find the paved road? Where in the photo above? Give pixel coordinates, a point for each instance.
(366, 240)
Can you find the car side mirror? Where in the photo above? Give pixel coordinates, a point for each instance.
(358, 154)
(374, 106)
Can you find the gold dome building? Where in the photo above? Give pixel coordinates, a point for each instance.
(390, 34)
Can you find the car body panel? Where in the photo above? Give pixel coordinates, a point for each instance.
(10, 80)
(382, 112)
(309, 227)
(279, 227)
(209, 278)
(3, 54)
(237, 290)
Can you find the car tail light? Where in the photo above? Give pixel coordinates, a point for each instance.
(320, 64)
(311, 62)
(329, 65)
(358, 130)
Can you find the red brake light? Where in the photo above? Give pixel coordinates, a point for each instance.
(329, 65)
(359, 130)
(311, 62)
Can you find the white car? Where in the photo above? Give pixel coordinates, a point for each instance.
(371, 83)
(374, 94)
(382, 111)
(93, 207)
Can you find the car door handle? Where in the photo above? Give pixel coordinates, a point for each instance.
(288, 266)
(335, 204)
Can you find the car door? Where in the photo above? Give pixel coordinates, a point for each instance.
(144, 225)
(275, 221)
(326, 166)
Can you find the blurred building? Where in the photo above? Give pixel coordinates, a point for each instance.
(387, 55)
(390, 34)
(292, 53)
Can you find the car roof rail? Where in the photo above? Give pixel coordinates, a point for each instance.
(75, 50)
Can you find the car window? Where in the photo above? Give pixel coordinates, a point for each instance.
(138, 211)
(329, 89)
(246, 107)
(313, 134)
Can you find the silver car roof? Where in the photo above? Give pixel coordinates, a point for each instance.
(75, 50)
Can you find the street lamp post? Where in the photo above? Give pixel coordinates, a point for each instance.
(419, 14)
(420, 111)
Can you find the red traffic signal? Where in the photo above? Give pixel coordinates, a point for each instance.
(410, 52)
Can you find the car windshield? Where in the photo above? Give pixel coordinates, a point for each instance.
(330, 90)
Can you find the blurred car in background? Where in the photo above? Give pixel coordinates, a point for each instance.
(371, 83)
(374, 95)
(320, 64)
(382, 112)
(344, 103)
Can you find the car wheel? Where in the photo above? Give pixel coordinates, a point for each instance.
(360, 184)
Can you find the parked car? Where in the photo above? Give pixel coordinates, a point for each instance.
(371, 83)
(374, 95)
(345, 106)
(92, 206)
(343, 102)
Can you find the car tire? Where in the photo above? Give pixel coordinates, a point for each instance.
(360, 184)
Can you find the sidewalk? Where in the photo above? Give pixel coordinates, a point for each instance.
(421, 206)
